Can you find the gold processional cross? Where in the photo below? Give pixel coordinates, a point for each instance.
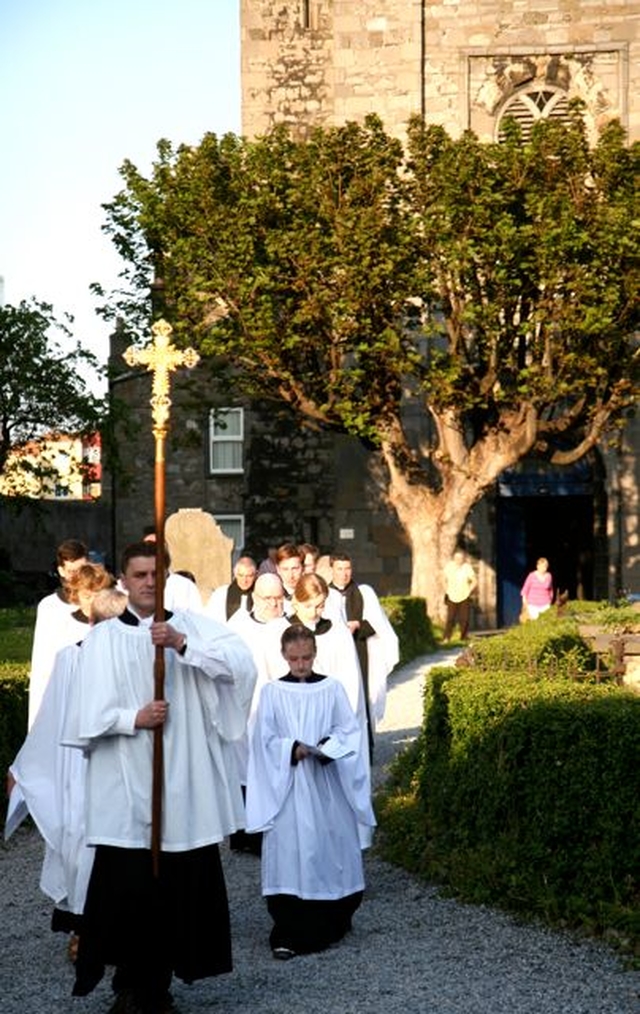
(160, 358)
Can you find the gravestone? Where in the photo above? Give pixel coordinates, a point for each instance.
(197, 543)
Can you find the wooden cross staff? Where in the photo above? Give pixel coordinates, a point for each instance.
(160, 358)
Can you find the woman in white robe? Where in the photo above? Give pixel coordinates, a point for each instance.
(314, 809)
(50, 778)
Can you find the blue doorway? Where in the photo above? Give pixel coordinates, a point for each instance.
(557, 513)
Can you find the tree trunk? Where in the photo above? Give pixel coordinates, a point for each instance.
(433, 523)
(433, 519)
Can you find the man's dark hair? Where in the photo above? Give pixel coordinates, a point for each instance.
(70, 550)
(139, 549)
(342, 557)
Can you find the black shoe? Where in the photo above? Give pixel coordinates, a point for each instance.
(125, 1003)
(167, 1006)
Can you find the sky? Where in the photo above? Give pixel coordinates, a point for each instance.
(84, 85)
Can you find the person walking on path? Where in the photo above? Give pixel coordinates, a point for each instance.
(537, 590)
(460, 582)
(308, 792)
(154, 925)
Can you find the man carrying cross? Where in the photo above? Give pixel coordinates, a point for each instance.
(161, 700)
(176, 922)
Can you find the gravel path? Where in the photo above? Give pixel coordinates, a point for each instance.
(411, 951)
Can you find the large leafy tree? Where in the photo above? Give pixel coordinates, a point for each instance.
(43, 389)
(458, 306)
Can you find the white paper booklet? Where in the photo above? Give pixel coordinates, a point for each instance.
(332, 748)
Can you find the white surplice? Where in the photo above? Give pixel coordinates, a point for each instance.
(51, 778)
(316, 817)
(336, 656)
(263, 641)
(209, 692)
(382, 647)
(55, 628)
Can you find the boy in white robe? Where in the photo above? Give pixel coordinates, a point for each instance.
(54, 628)
(152, 927)
(308, 791)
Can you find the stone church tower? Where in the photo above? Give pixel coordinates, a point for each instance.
(465, 64)
(459, 63)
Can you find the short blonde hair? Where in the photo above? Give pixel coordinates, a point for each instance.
(90, 577)
(107, 603)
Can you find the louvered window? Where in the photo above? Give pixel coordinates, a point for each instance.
(528, 107)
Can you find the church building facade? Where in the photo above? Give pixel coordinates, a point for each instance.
(462, 64)
(466, 64)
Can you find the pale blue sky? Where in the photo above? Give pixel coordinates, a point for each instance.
(85, 84)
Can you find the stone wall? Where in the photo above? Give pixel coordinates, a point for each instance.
(457, 61)
(31, 531)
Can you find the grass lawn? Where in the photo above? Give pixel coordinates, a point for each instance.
(16, 634)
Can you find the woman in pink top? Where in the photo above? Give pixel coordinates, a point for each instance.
(537, 591)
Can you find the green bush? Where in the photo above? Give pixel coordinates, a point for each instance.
(16, 636)
(531, 795)
(547, 644)
(522, 789)
(408, 617)
(14, 695)
(620, 616)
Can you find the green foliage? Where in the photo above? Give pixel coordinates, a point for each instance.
(525, 247)
(293, 263)
(300, 262)
(621, 616)
(487, 293)
(531, 797)
(408, 617)
(547, 645)
(42, 388)
(16, 636)
(522, 789)
(14, 699)
(401, 813)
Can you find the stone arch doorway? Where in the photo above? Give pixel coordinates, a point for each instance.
(559, 513)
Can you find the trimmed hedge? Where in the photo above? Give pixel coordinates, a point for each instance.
(548, 644)
(16, 635)
(531, 790)
(14, 696)
(523, 789)
(408, 617)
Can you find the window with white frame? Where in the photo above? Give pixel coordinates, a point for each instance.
(232, 525)
(226, 437)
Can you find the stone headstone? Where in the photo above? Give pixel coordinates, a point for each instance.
(197, 543)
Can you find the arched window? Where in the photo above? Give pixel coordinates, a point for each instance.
(528, 106)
